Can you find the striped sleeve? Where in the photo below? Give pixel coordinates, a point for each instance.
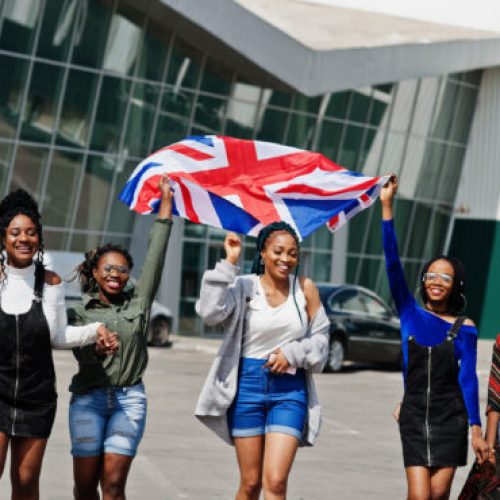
(494, 380)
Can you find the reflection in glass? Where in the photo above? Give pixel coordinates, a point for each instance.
(321, 267)
(41, 104)
(329, 139)
(465, 106)
(110, 114)
(61, 191)
(19, 24)
(216, 78)
(272, 127)
(301, 131)
(184, 66)
(29, 165)
(209, 115)
(338, 105)
(94, 194)
(5, 152)
(153, 52)
(76, 111)
(402, 104)
(12, 83)
(425, 105)
(360, 105)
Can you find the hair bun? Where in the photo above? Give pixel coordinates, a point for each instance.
(19, 199)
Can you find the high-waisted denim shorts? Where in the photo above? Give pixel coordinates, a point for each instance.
(110, 420)
(266, 402)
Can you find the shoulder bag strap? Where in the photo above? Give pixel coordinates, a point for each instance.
(453, 331)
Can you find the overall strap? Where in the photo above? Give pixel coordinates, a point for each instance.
(453, 331)
(39, 281)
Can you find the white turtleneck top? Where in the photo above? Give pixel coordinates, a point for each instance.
(17, 294)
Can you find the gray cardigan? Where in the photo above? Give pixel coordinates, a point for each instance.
(223, 299)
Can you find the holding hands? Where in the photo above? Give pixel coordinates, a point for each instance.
(232, 246)
(107, 342)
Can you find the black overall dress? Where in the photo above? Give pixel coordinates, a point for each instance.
(27, 379)
(433, 421)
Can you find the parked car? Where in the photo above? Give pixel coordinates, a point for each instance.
(363, 328)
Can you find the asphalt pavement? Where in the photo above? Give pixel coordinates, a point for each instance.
(358, 454)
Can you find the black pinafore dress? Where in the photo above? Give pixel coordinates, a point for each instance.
(28, 395)
(433, 420)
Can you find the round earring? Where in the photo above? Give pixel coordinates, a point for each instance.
(261, 262)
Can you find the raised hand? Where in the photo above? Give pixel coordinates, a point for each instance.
(232, 246)
(390, 189)
(167, 195)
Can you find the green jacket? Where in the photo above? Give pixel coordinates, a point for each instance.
(129, 318)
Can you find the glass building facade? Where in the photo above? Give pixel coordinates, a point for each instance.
(88, 88)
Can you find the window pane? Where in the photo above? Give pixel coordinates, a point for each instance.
(350, 148)
(360, 105)
(307, 104)
(30, 163)
(121, 219)
(153, 52)
(419, 231)
(425, 105)
(170, 129)
(61, 189)
(273, 126)
(240, 120)
(322, 267)
(41, 104)
(195, 230)
(184, 65)
(110, 114)
(76, 111)
(56, 240)
(12, 81)
(323, 238)
(338, 105)
(301, 131)
(140, 119)
(19, 24)
(5, 154)
(216, 78)
(91, 39)
(465, 106)
(209, 114)
(329, 139)
(446, 106)
(368, 276)
(94, 195)
(403, 105)
(84, 242)
(451, 168)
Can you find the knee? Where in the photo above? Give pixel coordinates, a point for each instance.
(251, 485)
(275, 484)
(24, 483)
(85, 492)
(113, 486)
(439, 493)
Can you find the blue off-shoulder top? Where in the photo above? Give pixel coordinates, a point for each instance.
(429, 329)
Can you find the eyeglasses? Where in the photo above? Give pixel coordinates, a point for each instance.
(444, 277)
(109, 268)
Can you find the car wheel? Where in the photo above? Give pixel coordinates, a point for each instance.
(160, 332)
(335, 356)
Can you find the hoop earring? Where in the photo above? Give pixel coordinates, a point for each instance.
(262, 262)
(464, 298)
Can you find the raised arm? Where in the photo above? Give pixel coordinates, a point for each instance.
(216, 302)
(152, 268)
(397, 282)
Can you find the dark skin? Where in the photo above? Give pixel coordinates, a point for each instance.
(426, 482)
(22, 242)
(111, 469)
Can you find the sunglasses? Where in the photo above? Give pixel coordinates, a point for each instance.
(444, 277)
(109, 268)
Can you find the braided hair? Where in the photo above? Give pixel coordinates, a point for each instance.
(258, 264)
(20, 202)
(456, 302)
(84, 270)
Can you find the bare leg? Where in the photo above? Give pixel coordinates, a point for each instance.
(279, 453)
(114, 475)
(419, 483)
(441, 479)
(86, 473)
(249, 452)
(4, 446)
(25, 468)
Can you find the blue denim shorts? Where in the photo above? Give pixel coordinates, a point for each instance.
(110, 420)
(266, 402)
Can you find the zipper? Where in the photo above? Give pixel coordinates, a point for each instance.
(16, 385)
(429, 359)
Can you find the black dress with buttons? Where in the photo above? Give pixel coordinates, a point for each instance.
(28, 395)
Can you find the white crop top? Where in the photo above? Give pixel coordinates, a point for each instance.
(267, 328)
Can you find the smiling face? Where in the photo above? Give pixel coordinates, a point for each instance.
(21, 241)
(111, 274)
(438, 281)
(280, 255)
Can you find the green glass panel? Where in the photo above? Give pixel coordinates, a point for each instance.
(374, 240)
(140, 118)
(29, 167)
(465, 106)
(110, 114)
(357, 227)
(41, 105)
(57, 29)
(123, 241)
(419, 230)
(402, 105)
(425, 105)
(323, 238)
(55, 240)
(369, 273)
(184, 65)
(195, 230)
(272, 127)
(329, 139)
(216, 78)
(446, 107)
(451, 169)
(192, 269)
(91, 40)
(189, 321)
(428, 183)
(437, 237)
(121, 219)
(353, 140)
(5, 156)
(61, 191)
(240, 120)
(19, 22)
(307, 104)
(412, 272)
(360, 106)
(278, 98)
(76, 113)
(153, 52)
(351, 269)
(209, 114)
(84, 242)
(170, 129)
(301, 131)
(338, 105)
(95, 192)
(322, 263)
(368, 142)
(473, 77)
(12, 81)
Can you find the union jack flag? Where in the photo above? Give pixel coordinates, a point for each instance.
(243, 185)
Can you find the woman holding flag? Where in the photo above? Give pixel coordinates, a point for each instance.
(259, 394)
(439, 368)
(107, 413)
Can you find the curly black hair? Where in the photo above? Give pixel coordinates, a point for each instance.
(262, 237)
(456, 302)
(16, 203)
(92, 257)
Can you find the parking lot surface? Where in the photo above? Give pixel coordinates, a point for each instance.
(358, 454)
